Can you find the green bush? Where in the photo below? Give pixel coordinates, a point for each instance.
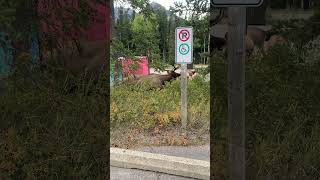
(143, 109)
(282, 117)
(47, 132)
(299, 31)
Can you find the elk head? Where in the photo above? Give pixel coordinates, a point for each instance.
(172, 73)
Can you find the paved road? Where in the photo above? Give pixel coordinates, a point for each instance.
(135, 174)
(194, 152)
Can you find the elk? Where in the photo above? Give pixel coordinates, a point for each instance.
(216, 20)
(194, 75)
(273, 41)
(258, 36)
(218, 43)
(249, 44)
(157, 81)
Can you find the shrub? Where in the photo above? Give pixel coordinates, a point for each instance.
(47, 132)
(312, 53)
(139, 108)
(282, 127)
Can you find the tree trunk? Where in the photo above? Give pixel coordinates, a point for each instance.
(113, 19)
(208, 49)
(164, 54)
(204, 50)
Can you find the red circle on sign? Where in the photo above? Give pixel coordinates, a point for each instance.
(184, 35)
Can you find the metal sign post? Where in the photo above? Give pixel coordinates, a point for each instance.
(236, 98)
(236, 81)
(184, 48)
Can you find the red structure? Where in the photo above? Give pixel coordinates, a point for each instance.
(140, 67)
(58, 23)
(51, 12)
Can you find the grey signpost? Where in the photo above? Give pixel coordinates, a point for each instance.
(236, 81)
(183, 56)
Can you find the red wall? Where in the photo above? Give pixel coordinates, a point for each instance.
(143, 66)
(50, 12)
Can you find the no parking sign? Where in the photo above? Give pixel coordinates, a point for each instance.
(184, 38)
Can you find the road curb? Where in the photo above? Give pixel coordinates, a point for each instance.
(180, 166)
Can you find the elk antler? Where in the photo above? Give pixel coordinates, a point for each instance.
(218, 18)
(174, 68)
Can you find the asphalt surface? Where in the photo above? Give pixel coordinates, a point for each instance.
(194, 152)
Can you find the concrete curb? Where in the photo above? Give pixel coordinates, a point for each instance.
(180, 166)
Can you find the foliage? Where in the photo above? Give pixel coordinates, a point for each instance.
(312, 51)
(137, 107)
(156, 63)
(145, 35)
(163, 25)
(282, 127)
(20, 18)
(192, 7)
(162, 20)
(49, 131)
(143, 6)
(123, 28)
(300, 31)
(203, 71)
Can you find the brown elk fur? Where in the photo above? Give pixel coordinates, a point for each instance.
(249, 43)
(273, 41)
(258, 36)
(156, 80)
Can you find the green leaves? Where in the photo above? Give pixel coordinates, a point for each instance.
(145, 36)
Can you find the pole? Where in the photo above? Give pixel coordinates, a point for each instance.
(236, 91)
(184, 97)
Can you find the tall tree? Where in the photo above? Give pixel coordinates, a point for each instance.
(162, 19)
(123, 28)
(145, 37)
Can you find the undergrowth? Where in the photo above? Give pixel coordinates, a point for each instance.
(282, 117)
(146, 110)
(48, 131)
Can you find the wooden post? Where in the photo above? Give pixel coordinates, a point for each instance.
(236, 91)
(184, 97)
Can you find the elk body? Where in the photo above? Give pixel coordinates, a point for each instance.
(273, 41)
(156, 81)
(219, 43)
(258, 36)
(255, 38)
(249, 44)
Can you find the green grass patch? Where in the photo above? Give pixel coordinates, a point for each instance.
(145, 110)
(282, 117)
(47, 132)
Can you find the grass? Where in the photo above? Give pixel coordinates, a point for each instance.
(282, 117)
(137, 111)
(47, 132)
